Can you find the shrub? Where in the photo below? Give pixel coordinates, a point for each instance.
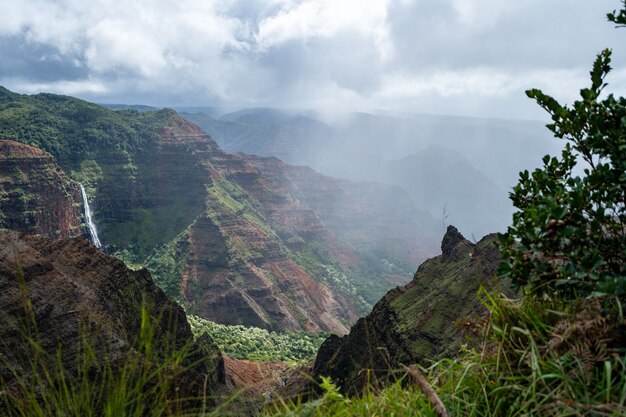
(568, 236)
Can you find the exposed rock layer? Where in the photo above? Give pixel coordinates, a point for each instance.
(36, 196)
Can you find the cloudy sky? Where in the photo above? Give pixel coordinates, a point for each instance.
(469, 57)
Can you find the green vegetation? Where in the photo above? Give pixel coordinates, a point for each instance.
(252, 343)
(166, 265)
(395, 400)
(568, 237)
(74, 130)
(339, 282)
(315, 257)
(513, 373)
(370, 276)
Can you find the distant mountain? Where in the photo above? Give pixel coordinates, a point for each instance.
(138, 107)
(443, 182)
(211, 111)
(267, 116)
(237, 239)
(489, 154)
(289, 138)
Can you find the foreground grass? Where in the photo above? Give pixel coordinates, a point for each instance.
(534, 358)
(140, 382)
(537, 359)
(396, 400)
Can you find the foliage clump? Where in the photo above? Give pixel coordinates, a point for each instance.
(253, 343)
(568, 236)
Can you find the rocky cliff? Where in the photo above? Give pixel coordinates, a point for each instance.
(417, 321)
(71, 292)
(36, 196)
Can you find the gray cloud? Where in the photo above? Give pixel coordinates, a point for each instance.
(37, 61)
(525, 34)
(446, 56)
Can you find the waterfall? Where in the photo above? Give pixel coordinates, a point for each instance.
(90, 224)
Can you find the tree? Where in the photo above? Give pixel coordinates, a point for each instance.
(568, 236)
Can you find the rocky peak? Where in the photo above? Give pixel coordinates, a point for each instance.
(11, 150)
(415, 322)
(450, 240)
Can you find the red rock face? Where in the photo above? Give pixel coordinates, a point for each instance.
(244, 263)
(36, 196)
(257, 378)
(238, 271)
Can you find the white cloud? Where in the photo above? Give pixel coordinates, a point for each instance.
(61, 87)
(325, 19)
(400, 54)
(481, 81)
(477, 15)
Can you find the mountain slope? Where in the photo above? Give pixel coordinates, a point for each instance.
(417, 321)
(442, 181)
(74, 294)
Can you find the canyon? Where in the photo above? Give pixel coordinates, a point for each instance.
(237, 239)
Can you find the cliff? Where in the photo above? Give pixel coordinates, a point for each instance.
(415, 322)
(71, 292)
(36, 196)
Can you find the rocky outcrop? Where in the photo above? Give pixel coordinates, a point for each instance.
(36, 196)
(253, 385)
(415, 322)
(257, 378)
(66, 291)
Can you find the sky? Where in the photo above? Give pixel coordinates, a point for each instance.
(461, 57)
